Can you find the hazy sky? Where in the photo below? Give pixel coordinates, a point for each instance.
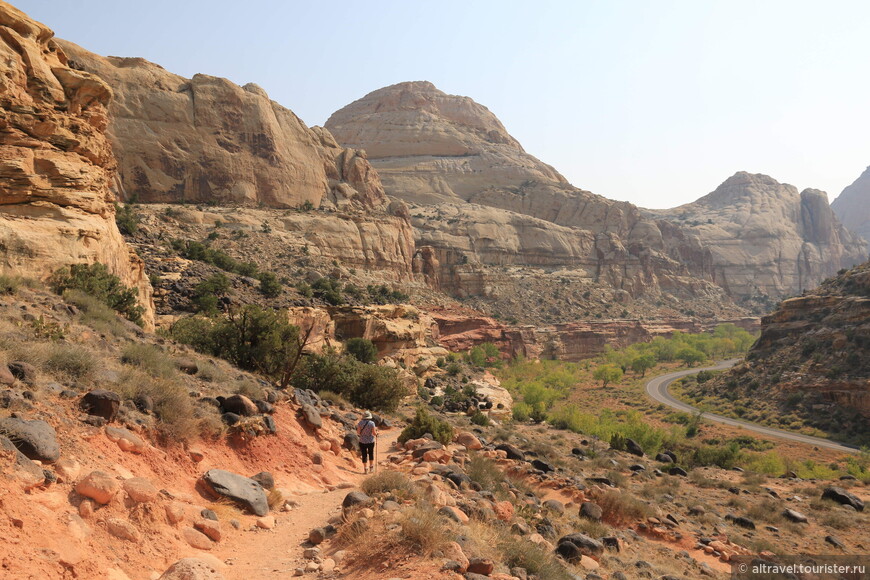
(654, 102)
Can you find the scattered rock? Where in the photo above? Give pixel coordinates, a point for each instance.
(191, 569)
(6, 376)
(99, 486)
(126, 439)
(591, 511)
(543, 466)
(101, 403)
(469, 440)
(266, 522)
(482, 566)
(795, 516)
(741, 521)
(512, 452)
(123, 529)
(316, 536)
(24, 372)
(240, 489)
(211, 528)
(35, 439)
(140, 490)
(265, 479)
(572, 546)
(634, 447)
(28, 473)
(355, 498)
(238, 404)
(834, 541)
(678, 471)
(841, 496)
(187, 366)
(174, 512)
(312, 416)
(555, 506)
(196, 539)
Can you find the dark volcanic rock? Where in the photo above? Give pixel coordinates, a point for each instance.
(101, 403)
(240, 489)
(512, 452)
(634, 447)
(35, 439)
(841, 496)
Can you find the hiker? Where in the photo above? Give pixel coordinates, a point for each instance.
(367, 432)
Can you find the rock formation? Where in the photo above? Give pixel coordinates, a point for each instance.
(207, 139)
(852, 206)
(767, 239)
(479, 203)
(56, 207)
(812, 360)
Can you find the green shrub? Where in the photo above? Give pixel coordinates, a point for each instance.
(250, 337)
(127, 219)
(95, 279)
(205, 294)
(95, 313)
(362, 349)
(484, 472)
(424, 423)
(270, 286)
(521, 412)
(480, 419)
(328, 290)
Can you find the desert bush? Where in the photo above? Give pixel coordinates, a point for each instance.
(424, 423)
(96, 280)
(70, 360)
(193, 250)
(388, 481)
(619, 507)
(210, 372)
(9, 284)
(480, 419)
(767, 510)
(521, 412)
(485, 472)
(423, 530)
(149, 358)
(328, 290)
(362, 349)
(181, 419)
(96, 313)
(365, 385)
(250, 337)
(270, 285)
(205, 294)
(127, 219)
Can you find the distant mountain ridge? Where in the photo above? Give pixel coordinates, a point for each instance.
(852, 206)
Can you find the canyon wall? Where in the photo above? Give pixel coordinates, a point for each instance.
(852, 206)
(56, 205)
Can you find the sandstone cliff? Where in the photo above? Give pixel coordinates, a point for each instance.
(766, 239)
(207, 139)
(56, 207)
(852, 206)
(480, 204)
(811, 362)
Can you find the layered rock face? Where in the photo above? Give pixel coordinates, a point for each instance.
(56, 206)
(767, 239)
(478, 199)
(813, 359)
(206, 139)
(852, 206)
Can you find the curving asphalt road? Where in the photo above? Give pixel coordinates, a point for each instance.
(657, 388)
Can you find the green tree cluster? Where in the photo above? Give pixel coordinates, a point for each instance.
(96, 280)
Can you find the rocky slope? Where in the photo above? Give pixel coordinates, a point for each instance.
(766, 239)
(206, 139)
(56, 206)
(811, 364)
(479, 203)
(852, 206)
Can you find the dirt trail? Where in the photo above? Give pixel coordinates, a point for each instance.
(267, 554)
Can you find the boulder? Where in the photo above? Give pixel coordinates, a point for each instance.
(24, 372)
(242, 490)
(36, 439)
(29, 473)
(555, 506)
(512, 451)
(98, 486)
(469, 440)
(265, 479)
(196, 539)
(482, 566)
(312, 416)
(584, 545)
(140, 490)
(542, 466)
(634, 447)
(6, 376)
(101, 403)
(123, 529)
(191, 569)
(841, 496)
(591, 511)
(795, 516)
(238, 404)
(678, 471)
(126, 439)
(355, 498)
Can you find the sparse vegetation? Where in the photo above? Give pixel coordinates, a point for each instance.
(388, 481)
(424, 423)
(95, 280)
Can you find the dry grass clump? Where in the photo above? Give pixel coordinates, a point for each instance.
(9, 284)
(388, 481)
(423, 530)
(494, 541)
(697, 477)
(149, 358)
(68, 361)
(210, 372)
(248, 388)
(619, 507)
(275, 499)
(334, 398)
(767, 510)
(181, 419)
(591, 528)
(96, 314)
(839, 520)
(659, 487)
(484, 472)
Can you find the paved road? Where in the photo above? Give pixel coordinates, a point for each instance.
(657, 388)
